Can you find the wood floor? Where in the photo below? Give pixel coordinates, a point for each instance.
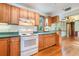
(51, 51)
(68, 47)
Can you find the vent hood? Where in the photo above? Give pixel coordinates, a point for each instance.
(26, 22)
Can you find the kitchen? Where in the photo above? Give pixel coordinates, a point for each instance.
(26, 32)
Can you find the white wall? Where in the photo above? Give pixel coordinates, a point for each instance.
(68, 13)
(8, 28)
(77, 26)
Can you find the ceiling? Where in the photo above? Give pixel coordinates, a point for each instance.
(49, 8)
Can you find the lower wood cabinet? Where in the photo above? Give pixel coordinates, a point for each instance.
(10, 46)
(49, 40)
(46, 40)
(14, 46)
(41, 42)
(4, 47)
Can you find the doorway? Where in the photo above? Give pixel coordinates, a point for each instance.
(70, 30)
(72, 26)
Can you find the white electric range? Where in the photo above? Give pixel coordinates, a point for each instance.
(29, 41)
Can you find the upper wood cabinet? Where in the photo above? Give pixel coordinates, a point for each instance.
(50, 21)
(33, 15)
(53, 20)
(4, 13)
(30, 14)
(4, 49)
(15, 15)
(11, 14)
(37, 18)
(23, 13)
(14, 46)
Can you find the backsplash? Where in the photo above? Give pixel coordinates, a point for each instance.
(8, 28)
(15, 28)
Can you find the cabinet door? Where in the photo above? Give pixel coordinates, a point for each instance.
(37, 18)
(49, 40)
(33, 15)
(49, 21)
(14, 15)
(30, 14)
(4, 48)
(41, 42)
(14, 46)
(1, 12)
(23, 13)
(58, 38)
(53, 20)
(4, 13)
(52, 40)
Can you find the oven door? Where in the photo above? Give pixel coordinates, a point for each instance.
(28, 43)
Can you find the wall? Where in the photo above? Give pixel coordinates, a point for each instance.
(76, 17)
(72, 12)
(8, 28)
(77, 26)
(15, 28)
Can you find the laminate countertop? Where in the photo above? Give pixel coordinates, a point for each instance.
(47, 32)
(8, 34)
(15, 34)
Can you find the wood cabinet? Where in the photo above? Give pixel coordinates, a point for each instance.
(4, 49)
(50, 21)
(33, 15)
(37, 18)
(15, 15)
(14, 46)
(10, 46)
(4, 13)
(11, 14)
(49, 40)
(53, 20)
(41, 42)
(46, 40)
(29, 14)
(23, 13)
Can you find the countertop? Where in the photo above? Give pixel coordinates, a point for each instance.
(47, 32)
(8, 34)
(15, 34)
